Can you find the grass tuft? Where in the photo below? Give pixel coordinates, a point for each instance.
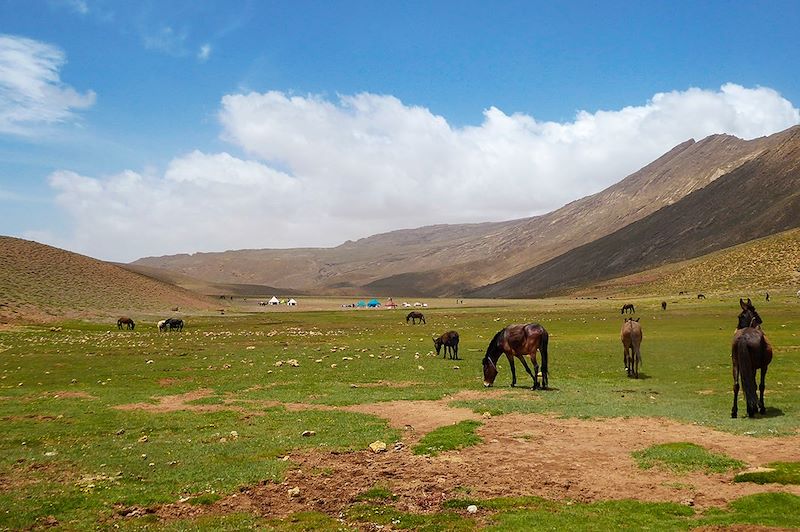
(448, 438)
(684, 457)
(782, 473)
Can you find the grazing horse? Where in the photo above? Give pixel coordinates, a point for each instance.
(170, 324)
(517, 341)
(127, 322)
(701, 296)
(450, 342)
(663, 305)
(628, 307)
(750, 352)
(414, 316)
(631, 336)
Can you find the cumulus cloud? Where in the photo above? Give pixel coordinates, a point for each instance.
(368, 163)
(31, 91)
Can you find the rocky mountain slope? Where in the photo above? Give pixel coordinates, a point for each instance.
(759, 198)
(456, 259)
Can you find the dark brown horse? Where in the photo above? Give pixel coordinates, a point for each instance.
(663, 305)
(750, 352)
(517, 341)
(127, 322)
(450, 342)
(628, 307)
(414, 316)
(631, 336)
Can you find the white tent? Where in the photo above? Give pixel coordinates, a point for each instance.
(274, 301)
(291, 302)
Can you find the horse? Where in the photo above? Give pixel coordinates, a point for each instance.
(701, 296)
(450, 342)
(750, 351)
(628, 307)
(517, 341)
(414, 316)
(171, 324)
(663, 305)
(127, 322)
(631, 336)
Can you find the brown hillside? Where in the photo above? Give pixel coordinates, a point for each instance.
(40, 283)
(452, 259)
(764, 264)
(759, 198)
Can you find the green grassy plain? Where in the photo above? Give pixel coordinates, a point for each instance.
(67, 452)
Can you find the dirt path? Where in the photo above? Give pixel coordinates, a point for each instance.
(522, 454)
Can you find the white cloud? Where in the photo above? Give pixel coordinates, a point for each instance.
(166, 40)
(204, 53)
(368, 163)
(31, 91)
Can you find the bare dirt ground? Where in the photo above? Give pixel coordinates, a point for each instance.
(531, 454)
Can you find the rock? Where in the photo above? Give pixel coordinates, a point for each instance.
(120, 432)
(143, 439)
(377, 447)
(307, 433)
(294, 492)
(472, 509)
(456, 367)
(487, 415)
(234, 434)
(294, 363)
(149, 361)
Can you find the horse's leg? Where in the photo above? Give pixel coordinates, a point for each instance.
(513, 371)
(534, 376)
(761, 408)
(455, 350)
(625, 359)
(735, 409)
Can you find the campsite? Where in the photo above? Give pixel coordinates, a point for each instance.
(266, 419)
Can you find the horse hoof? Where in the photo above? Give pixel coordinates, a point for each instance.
(733, 415)
(762, 411)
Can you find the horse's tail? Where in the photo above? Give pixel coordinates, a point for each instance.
(543, 350)
(747, 374)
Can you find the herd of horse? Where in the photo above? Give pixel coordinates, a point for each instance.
(750, 351)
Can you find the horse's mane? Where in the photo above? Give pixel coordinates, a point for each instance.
(493, 347)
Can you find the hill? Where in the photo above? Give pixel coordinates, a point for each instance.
(759, 198)
(455, 259)
(40, 283)
(764, 264)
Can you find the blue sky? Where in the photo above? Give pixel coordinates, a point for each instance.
(280, 124)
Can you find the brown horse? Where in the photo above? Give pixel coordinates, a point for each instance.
(517, 341)
(663, 305)
(750, 352)
(628, 307)
(450, 342)
(127, 322)
(631, 336)
(414, 316)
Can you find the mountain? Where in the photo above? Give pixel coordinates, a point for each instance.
(40, 283)
(457, 259)
(758, 198)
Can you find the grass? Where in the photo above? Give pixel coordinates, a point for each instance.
(782, 473)
(67, 451)
(449, 438)
(683, 457)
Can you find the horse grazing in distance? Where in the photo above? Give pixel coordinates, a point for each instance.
(517, 341)
(170, 324)
(750, 352)
(414, 316)
(450, 342)
(701, 296)
(663, 305)
(628, 307)
(127, 322)
(631, 336)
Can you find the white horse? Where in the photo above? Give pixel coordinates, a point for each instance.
(161, 325)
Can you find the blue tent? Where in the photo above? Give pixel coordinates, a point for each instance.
(374, 303)
(361, 304)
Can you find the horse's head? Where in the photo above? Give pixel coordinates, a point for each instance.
(748, 317)
(437, 343)
(489, 371)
